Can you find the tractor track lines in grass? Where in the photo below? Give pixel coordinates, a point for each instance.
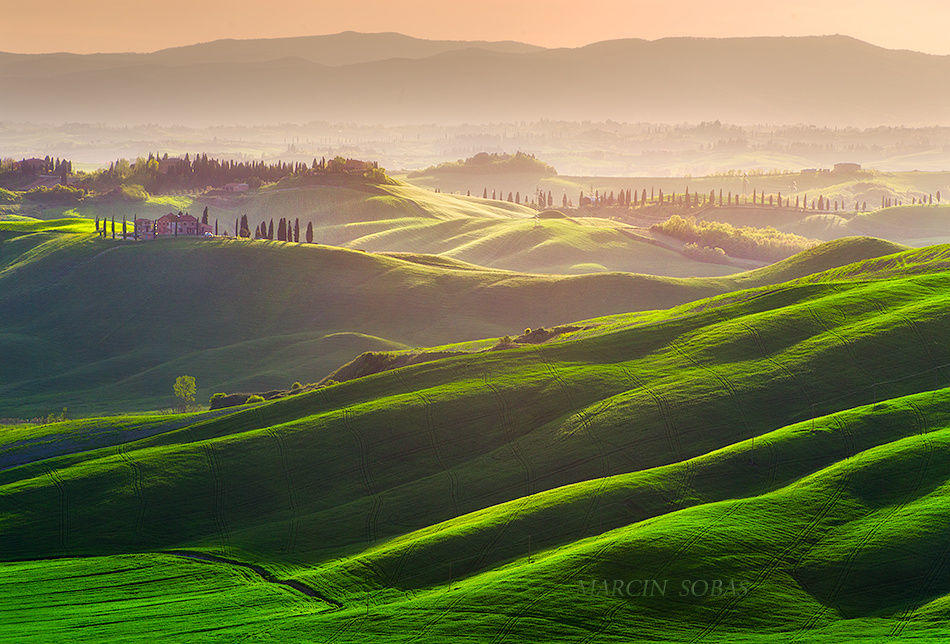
(372, 523)
(760, 343)
(294, 525)
(479, 561)
(677, 554)
(728, 386)
(567, 578)
(137, 487)
(63, 506)
(507, 427)
(782, 556)
(582, 413)
(218, 499)
(435, 443)
(869, 533)
(672, 436)
(372, 518)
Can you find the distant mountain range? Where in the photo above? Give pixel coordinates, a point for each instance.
(829, 80)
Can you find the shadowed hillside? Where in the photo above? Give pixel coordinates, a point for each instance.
(103, 324)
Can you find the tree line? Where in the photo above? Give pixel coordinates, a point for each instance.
(633, 198)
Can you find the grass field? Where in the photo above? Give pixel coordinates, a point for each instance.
(100, 325)
(783, 450)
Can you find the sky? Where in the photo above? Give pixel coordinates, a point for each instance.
(86, 26)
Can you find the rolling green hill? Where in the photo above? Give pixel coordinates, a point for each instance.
(100, 325)
(782, 450)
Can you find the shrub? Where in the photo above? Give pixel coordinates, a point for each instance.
(711, 254)
(220, 401)
(254, 399)
(765, 244)
(56, 194)
(296, 386)
(133, 192)
(8, 196)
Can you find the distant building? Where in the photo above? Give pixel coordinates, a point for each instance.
(355, 165)
(144, 228)
(30, 166)
(167, 165)
(847, 168)
(236, 187)
(172, 225)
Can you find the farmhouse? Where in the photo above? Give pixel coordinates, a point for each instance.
(31, 166)
(355, 165)
(166, 166)
(171, 225)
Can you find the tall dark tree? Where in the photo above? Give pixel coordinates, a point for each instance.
(204, 216)
(282, 230)
(270, 230)
(296, 229)
(309, 232)
(245, 228)
(215, 227)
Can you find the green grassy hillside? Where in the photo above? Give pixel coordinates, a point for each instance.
(98, 325)
(783, 450)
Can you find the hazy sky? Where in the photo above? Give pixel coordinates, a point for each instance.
(124, 25)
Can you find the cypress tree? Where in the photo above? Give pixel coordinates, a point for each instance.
(309, 232)
(113, 227)
(282, 230)
(296, 229)
(270, 230)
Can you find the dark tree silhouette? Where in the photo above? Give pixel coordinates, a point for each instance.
(309, 232)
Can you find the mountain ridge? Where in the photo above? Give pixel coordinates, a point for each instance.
(810, 79)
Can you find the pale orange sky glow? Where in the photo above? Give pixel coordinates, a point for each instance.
(119, 25)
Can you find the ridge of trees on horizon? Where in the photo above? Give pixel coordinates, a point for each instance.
(161, 173)
(490, 163)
